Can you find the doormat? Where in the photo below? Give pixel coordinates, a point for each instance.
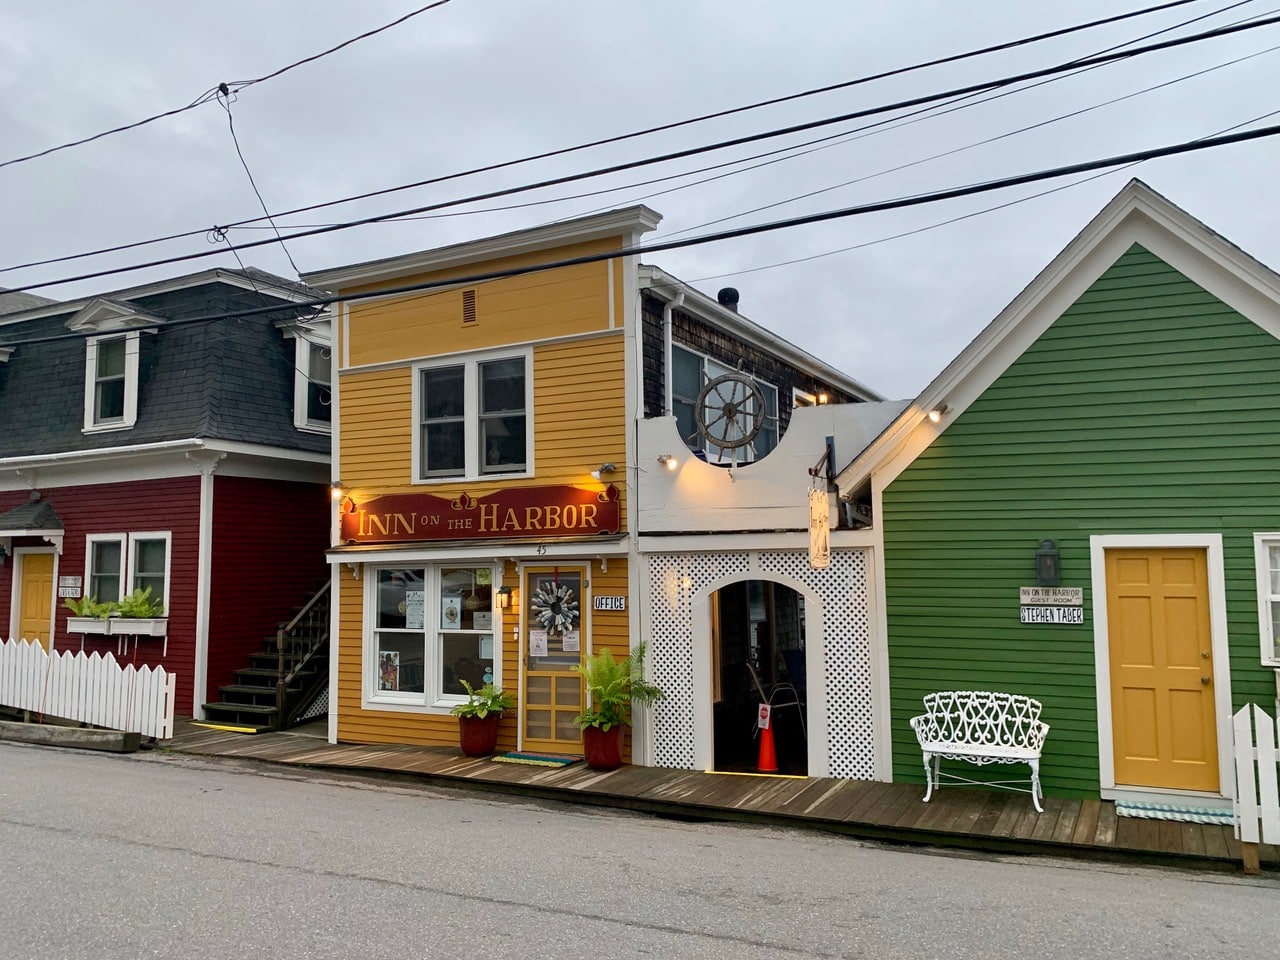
(537, 759)
(1166, 811)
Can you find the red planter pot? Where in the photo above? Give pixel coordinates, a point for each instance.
(478, 735)
(603, 748)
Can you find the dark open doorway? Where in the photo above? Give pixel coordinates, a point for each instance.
(758, 624)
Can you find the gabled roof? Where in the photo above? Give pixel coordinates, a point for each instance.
(1137, 214)
(101, 314)
(34, 516)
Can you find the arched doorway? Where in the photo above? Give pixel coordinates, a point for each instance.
(757, 625)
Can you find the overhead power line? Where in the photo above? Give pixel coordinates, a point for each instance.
(212, 92)
(1190, 146)
(692, 151)
(953, 58)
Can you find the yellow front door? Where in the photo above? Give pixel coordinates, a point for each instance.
(1162, 699)
(553, 640)
(35, 603)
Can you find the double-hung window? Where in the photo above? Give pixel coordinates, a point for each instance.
(313, 394)
(432, 627)
(1266, 553)
(473, 418)
(690, 372)
(117, 564)
(111, 382)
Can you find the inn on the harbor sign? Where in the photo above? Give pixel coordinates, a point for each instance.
(519, 512)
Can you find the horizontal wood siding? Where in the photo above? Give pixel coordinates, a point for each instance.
(269, 539)
(171, 506)
(557, 303)
(357, 725)
(1147, 407)
(375, 444)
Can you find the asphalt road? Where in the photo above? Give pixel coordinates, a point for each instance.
(161, 855)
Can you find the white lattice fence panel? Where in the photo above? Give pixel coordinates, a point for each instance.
(846, 625)
(673, 580)
(1257, 760)
(88, 689)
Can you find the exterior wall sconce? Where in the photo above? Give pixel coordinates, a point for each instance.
(3, 553)
(336, 490)
(1048, 564)
(504, 598)
(935, 415)
(823, 398)
(603, 469)
(668, 460)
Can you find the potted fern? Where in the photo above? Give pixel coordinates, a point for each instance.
(478, 717)
(613, 686)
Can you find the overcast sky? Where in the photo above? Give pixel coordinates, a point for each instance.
(477, 82)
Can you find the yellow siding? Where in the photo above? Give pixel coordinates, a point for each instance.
(609, 630)
(562, 302)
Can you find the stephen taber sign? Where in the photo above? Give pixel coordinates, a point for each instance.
(517, 513)
(1051, 605)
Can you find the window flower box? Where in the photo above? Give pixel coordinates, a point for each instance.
(137, 626)
(88, 625)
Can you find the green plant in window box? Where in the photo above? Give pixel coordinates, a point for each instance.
(90, 614)
(614, 686)
(478, 718)
(140, 605)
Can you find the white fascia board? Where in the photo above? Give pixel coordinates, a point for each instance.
(433, 551)
(727, 543)
(257, 285)
(714, 313)
(626, 222)
(1137, 214)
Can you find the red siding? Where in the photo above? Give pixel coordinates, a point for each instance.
(148, 505)
(269, 540)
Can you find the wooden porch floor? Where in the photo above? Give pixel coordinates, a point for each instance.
(991, 820)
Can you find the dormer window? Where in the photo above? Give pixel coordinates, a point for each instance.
(313, 395)
(111, 382)
(312, 372)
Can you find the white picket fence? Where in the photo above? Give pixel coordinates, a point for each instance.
(89, 689)
(1257, 801)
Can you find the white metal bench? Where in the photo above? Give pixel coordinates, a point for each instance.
(981, 726)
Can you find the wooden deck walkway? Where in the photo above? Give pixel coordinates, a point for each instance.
(990, 820)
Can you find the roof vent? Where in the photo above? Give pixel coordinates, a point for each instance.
(728, 297)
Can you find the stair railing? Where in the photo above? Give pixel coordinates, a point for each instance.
(312, 625)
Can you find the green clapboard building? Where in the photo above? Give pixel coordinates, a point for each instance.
(1124, 407)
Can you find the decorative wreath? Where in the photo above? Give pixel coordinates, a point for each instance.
(554, 607)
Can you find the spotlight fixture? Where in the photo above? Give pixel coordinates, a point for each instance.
(936, 413)
(668, 460)
(335, 490)
(603, 469)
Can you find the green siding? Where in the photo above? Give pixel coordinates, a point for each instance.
(1148, 407)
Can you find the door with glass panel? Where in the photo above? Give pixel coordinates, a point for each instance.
(553, 638)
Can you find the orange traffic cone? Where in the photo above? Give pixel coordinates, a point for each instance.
(768, 760)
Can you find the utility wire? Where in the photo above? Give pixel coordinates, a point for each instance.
(693, 151)
(212, 92)
(954, 58)
(988, 186)
(225, 98)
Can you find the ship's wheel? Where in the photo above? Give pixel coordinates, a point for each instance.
(730, 411)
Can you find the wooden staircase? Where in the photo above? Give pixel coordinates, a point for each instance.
(284, 678)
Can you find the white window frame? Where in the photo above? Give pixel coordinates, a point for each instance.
(432, 700)
(471, 415)
(712, 368)
(1270, 643)
(302, 347)
(128, 542)
(92, 424)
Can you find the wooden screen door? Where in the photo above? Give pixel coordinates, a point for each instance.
(1162, 699)
(35, 597)
(553, 639)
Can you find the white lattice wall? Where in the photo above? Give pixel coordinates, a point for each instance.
(845, 645)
